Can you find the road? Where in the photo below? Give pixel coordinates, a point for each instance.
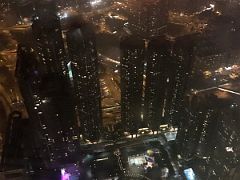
(226, 87)
(111, 94)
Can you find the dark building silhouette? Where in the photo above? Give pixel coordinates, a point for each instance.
(47, 34)
(210, 138)
(13, 152)
(85, 79)
(23, 8)
(20, 147)
(59, 124)
(29, 77)
(19, 150)
(132, 69)
(193, 134)
(168, 70)
(159, 78)
(183, 55)
(41, 73)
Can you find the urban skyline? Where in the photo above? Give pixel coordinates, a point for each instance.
(93, 89)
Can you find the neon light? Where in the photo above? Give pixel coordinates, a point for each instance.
(70, 73)
(65, 175)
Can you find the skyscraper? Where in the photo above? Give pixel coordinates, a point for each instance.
(57, 109)
(47, 34)
(132, 69)
(84, 66)
(159, 77)
(193, 135)
(50, 108)
(28, 77)
(41, 72)
(183, 57)
(168, 69)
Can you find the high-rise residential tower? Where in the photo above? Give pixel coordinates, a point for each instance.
(47, 34)
(168, 70)
(85, 79)
(42, 75)
(50, 108)
(159, 77)
(183, 56)
(132, 69)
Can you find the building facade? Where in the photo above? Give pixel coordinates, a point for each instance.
(132, 69)
(85, 79)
